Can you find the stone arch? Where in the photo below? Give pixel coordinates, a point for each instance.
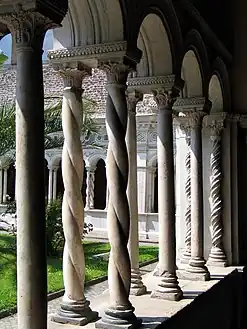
(94, 158)
(196, 56)
(100, 185)
(90, 22)
(154, 42)
(219, 88)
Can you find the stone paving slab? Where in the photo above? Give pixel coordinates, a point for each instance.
(153, 311)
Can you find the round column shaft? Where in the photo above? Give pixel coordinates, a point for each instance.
(28, 29)
(168, 287)
(1, 186)
(50, 184)
(196, 269)
(54, 189)
(217, 255)
(5, 184)
(75, 307)
(187, 250)
(137, 287)
(121, 312)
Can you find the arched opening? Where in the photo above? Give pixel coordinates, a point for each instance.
(191, 74)
(215, 94)
(7, 48)
(100, 186)
(11, 181)
(155, 192)
(90, 22)
(156, 51)
(46, 178)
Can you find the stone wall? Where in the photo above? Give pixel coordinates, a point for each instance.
(94, 87)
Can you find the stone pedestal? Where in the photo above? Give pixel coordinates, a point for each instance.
(137, 287)
(74, 308)
(168, 287)
(197, 269)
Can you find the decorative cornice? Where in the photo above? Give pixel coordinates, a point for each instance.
(183, 104)
(147, 84)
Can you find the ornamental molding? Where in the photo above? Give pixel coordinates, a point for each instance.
(188, 104)
(91, 54)
(147, 84)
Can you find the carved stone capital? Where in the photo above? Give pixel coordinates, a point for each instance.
(195, 118)
(214, 125)
(72, 73)
(28, 27)
(116, 72)
(164, 98)
(133, 97)
(91, 169)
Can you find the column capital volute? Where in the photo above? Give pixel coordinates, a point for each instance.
(91, 169)
(133, 97)
(116, 72)
(195, 118)
(28, 26)
(72, 73)
(165, 97)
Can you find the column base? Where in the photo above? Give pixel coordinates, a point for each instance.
(137, 287)
(217, 258)
(119, 318)
(168, 288)
(160, 273)
(186, 256)
(75, 314)
(196, 271)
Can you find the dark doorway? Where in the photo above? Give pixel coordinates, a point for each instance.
(11, 182)
(100, 186)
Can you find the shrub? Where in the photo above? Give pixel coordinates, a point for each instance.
(54, 226)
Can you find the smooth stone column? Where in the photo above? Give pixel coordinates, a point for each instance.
(50, 184)
(120, 314)
(137, 287)
(1, 186)
(197, 269)
(90, 188)
(187, 250)
(168, 287)
(28, 30)
(5, 184)
(54, 189)
(75, 307)
(217, 255)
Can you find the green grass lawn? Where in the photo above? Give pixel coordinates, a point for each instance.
(94, 268)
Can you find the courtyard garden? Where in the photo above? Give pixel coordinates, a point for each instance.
(96, 267)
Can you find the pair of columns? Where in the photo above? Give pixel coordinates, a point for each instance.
(217, 255)
(52, 184)
(3, 185)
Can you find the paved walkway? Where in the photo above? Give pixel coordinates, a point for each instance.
(144, 305)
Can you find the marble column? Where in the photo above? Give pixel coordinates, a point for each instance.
(121, 312)
(217, 255)
(1, 186)
(187, 216)
(137, 287)
(74, 308)
(28, 29)
(90, 188)
(107, 197)
(5, 184)
(168, 287)
(197, 269)
(54, 181)
(50, 184)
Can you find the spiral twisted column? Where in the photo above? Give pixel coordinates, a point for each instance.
(90, 188)
(137, 287)
(74, 308)
(197, 269)
(187, 250)
(120, 312)
(168, 287)
(217, 255)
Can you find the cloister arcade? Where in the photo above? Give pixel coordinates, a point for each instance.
(162, 74)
